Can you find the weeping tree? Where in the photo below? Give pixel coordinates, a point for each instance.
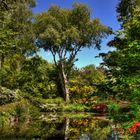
(64, 32)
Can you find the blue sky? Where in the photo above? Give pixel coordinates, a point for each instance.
(105, 10)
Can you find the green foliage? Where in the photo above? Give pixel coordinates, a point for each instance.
(135, 111)
(74, 108)
(22, 109)
(7, 96)
(16, 30)
(57, 101)
(78, 91)
(32, 76)
(16, 41)
(93, 75)
(64, 32)
(113, 108)
(58, 28)
(123, 63)
(4, 118)
(83, 84)
(125, 9)
(38, 81)
(29, 85)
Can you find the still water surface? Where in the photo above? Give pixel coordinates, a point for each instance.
(52, 126)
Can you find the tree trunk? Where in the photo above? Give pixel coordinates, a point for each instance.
(64, 82)
(67, 128)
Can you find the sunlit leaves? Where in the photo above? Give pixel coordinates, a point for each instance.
(124, 62)
(69, 29)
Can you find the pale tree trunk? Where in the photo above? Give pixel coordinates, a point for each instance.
(67, 128)
(64, 82)
(62, 76)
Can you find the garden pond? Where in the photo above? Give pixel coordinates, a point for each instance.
(64, 126)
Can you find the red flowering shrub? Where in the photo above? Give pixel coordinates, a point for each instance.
(136, 124)
(131, 130)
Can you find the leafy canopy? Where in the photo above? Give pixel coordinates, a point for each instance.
(124, 63)
(65, 31)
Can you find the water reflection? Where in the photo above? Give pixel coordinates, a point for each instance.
(59, 127)
(85, 137)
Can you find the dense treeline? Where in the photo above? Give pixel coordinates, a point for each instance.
(26, 79)
(124, 63)
(20, 38)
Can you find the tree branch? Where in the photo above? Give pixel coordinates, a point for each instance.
(54, 55)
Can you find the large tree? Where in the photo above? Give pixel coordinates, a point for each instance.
(64, 32)
(16, 32)
(124, 63)
(125, 9)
